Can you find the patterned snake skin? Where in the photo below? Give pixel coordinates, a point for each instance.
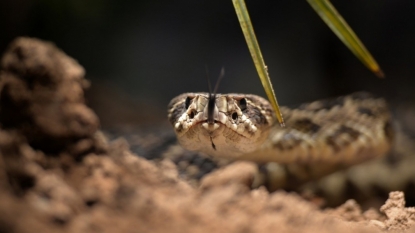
(320, 138)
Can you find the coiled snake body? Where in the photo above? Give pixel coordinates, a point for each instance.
(319, 138)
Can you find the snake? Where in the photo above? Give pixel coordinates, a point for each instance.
(319, 138)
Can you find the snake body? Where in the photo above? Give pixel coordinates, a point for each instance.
(319, 138)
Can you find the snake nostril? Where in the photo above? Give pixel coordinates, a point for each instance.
(234, 116)
(192, 114)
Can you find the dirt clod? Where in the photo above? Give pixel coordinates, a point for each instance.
(398, 217)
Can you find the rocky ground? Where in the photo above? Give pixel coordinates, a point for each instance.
(58, 172)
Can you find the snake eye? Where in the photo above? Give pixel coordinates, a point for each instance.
(242, 104)
(234, 116)
(187, 102)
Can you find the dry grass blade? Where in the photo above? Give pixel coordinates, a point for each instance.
(256, 54)
(339, 26)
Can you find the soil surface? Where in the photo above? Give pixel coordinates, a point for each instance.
(58, 172)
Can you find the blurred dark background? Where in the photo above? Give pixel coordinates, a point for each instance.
(140, 54)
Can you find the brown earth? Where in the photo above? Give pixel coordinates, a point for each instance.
(58, 173)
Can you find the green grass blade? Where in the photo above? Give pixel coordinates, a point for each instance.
(339, 26)
(256, 54)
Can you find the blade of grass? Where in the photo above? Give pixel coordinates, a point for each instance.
(256, 54)
(339, 26)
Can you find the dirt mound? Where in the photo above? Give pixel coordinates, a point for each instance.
(59, 173)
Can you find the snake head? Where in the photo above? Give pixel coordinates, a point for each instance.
(224, 126)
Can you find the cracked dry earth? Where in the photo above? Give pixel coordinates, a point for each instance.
(58, 172)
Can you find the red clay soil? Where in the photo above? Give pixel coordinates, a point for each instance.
(58, 173)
